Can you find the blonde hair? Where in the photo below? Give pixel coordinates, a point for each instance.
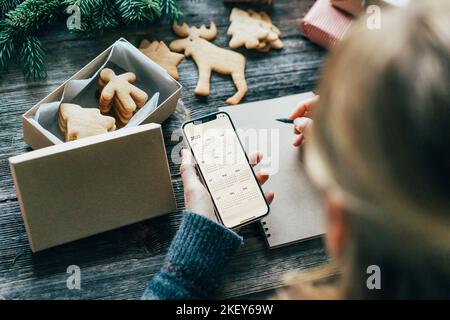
(382, 132)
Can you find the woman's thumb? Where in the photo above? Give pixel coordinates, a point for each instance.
(301, 124)
(187, 168)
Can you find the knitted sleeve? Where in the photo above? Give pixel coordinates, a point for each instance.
(195, 261)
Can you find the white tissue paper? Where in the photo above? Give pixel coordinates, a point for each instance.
(123, 57)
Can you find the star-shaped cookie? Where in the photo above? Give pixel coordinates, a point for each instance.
(161, 54)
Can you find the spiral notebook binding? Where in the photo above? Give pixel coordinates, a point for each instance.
(265, 229)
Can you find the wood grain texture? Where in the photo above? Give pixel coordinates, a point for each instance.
(119, 263)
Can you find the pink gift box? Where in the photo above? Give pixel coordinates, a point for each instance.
(357, 7)
(354, 7)
(324, 24)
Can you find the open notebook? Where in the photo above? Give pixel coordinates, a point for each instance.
(296, 213)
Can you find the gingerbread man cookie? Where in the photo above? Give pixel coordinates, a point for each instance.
(76, 122)
(161, 54)
(119, 94)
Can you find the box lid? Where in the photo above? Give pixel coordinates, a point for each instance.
(80, 188)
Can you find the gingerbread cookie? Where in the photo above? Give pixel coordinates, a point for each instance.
(161, 54)
(265, 20)
(76, 122)
(119, 94)
(254, 30)
(251, 38)
(266, 46)
(209, 57)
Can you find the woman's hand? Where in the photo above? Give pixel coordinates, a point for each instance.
(196, 197)
(302, 119)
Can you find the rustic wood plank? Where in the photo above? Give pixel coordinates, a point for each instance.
(118, 264)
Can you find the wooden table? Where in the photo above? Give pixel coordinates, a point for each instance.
(119, 263)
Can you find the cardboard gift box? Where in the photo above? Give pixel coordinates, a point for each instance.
(325, 24)
(68, 191)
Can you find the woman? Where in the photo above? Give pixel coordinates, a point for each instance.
(379, 152)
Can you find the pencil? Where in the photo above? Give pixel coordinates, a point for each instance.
(285, 120)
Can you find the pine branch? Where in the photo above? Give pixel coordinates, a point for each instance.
(32, 15)
(7, 45)
(138, 10)
(97, 15)
(32, 58)
(7, 5)
(20, 25)
(16, 30)
(108, 17)
(170, 9)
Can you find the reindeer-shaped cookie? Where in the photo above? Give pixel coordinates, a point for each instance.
(210, 57)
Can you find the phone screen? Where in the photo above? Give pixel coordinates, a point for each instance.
(226, 172)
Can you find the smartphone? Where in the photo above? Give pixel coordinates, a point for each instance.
(225, 170)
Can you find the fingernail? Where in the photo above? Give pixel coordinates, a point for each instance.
(300, 122)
